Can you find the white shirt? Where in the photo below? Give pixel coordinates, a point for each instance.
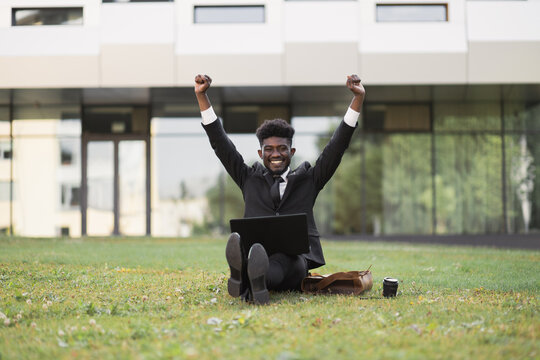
(350, 118)
(283, 185)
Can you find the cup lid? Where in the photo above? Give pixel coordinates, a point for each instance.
(390, 280)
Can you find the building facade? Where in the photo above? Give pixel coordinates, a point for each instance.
(100, 131)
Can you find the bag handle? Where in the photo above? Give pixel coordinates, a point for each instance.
(349, 275)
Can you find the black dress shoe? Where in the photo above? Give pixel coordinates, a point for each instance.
(257, 266)
(237, 284)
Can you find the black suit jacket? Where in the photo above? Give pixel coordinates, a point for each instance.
(303, 183)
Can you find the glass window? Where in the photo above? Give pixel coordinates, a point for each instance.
(5, 185)
(467, 116)
(521, 116)
(47, 16)
(410, 12)
(246, 119)
(50, 120)
(6, 155)
(523, 182)
(5, 125)
(384, 185)
(100, 177)
(5, 149)
(132, 187)
(406, 184)
(388, 117)
(186, 179)
(116, 120)
(69, 195)
(229, 14)
(43, 136)
(468, 184)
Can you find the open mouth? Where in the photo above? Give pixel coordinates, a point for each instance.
(276, 162)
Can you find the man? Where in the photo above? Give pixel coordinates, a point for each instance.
(275, 189)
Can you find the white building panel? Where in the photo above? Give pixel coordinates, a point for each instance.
(321, 21)
(208, 39)
(138, 23)
(91, 9)
(503, 20)
(412, 37)
(413, 52)
(49, 40)
(159, 44)
(504, 41)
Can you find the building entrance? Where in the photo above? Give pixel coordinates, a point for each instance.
(115, 180)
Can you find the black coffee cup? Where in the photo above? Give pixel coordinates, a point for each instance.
(390, 286)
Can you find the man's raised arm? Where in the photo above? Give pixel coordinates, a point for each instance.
(202, 83)
(356, 87)
(220, 142)
(331, 155)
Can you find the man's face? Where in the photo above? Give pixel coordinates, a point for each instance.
(276, 153)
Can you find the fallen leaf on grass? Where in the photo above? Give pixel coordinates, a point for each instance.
(317, 322)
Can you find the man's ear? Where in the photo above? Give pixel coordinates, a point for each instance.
(260, 153)
(293, 150)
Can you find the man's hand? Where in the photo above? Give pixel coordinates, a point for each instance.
(202, 83)
(356, 87)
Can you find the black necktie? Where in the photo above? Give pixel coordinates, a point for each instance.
(274, 191)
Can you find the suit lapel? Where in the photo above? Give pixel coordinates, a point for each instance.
(269, 179)
(291, 179)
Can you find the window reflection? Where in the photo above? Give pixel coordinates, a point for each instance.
(522, 123)
(384, 185)
(47, 16)
(100, 177)
(468, 180)
(132, 189)
(5, 184)
(522, 117)
(5, 127)
(468, 184)
(228, 14)
(6, 154)
(46, 146)
(410, 12)
(406, 184)
(467, 117)
(184, 169)
(523, 183)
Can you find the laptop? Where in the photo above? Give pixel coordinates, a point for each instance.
(286, 234)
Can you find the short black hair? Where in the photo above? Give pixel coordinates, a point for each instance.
(276, 127)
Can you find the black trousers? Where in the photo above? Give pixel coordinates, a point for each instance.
(285, 272)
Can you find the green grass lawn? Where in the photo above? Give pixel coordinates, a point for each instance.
(153, 298)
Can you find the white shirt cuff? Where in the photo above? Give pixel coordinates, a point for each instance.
(208, 116)
(351, 117)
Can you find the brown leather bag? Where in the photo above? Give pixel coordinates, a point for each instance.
(350, 282)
